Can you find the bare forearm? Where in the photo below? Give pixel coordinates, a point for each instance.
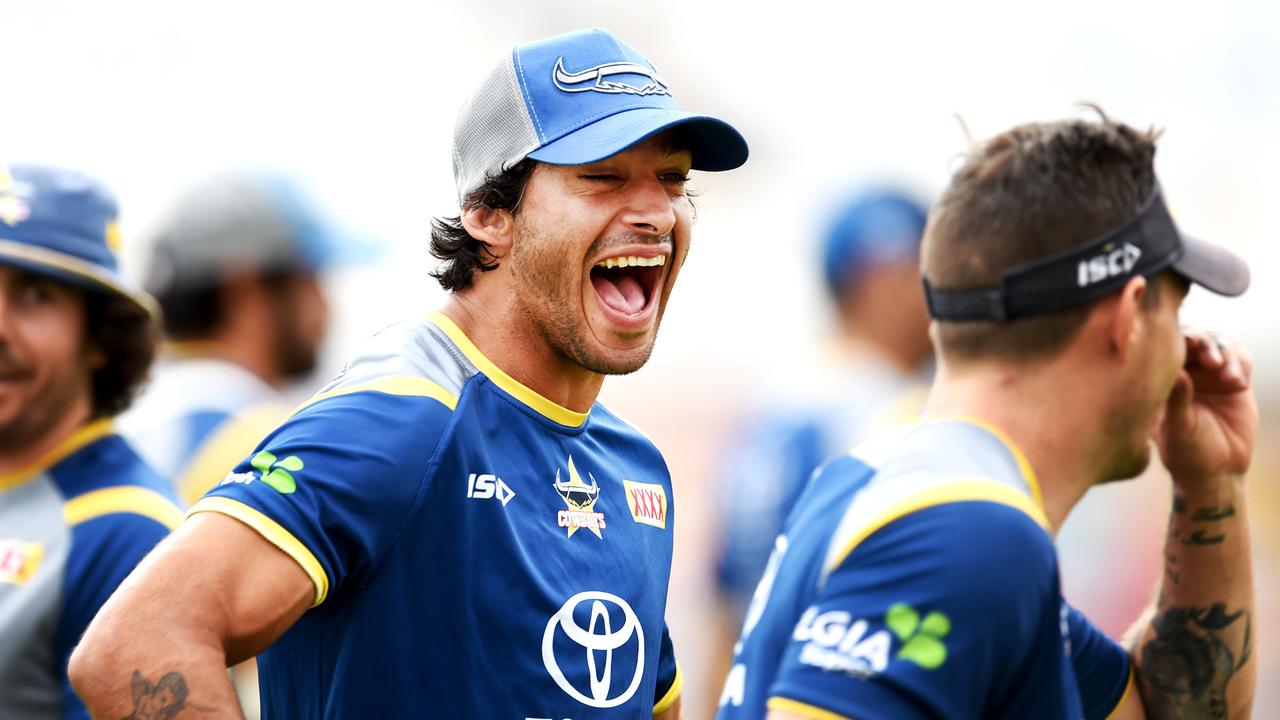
(1195, 655)
(128, 672)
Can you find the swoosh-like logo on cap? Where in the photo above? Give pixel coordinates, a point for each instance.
(593, 79)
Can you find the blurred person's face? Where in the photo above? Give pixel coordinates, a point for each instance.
(596, 252)
(1148, 379)
(45, 362)
(300, 314)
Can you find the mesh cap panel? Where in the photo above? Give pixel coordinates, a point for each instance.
(494, 130)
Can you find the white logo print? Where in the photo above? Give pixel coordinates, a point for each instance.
(483, 487)
(594, 642)
(1112, 262)
(593, 79)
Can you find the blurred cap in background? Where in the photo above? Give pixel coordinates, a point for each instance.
(876, 227)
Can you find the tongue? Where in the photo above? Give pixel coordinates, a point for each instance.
(623, 294)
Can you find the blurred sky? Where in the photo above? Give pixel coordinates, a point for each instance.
(360, 100)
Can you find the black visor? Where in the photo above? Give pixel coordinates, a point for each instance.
(1145, 245)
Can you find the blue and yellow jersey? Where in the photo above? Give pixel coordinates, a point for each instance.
(72, 526)
(916, 578)
(199, 416)
(476, 550)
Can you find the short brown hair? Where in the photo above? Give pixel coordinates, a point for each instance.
(127, 337)
(1030, 192)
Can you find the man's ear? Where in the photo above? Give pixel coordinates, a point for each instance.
(494, 228)
(1126, 324)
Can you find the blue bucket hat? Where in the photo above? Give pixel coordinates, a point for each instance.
(575, 99)
(63, 224)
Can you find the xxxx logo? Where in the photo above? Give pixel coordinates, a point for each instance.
(647, 502)
(921, 639)
(277, 473)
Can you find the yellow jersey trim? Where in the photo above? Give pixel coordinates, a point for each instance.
(547, 408)
(230, 443)
(274, 533)
(131, 499)
(78, 267)
(87, 433)
(977, 489)
(392, 385)
(672, 694)
(795, 707)
(1028, 474)
(1128, 690)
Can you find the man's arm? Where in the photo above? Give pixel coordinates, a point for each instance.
(1194, 650)
(211, 595)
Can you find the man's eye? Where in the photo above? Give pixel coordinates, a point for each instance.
(675, 178)
(37, 292)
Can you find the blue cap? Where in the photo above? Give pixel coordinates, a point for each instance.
(63, 224)
(877, 227)
(574, 99)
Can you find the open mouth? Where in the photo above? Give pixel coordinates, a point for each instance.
(627, 284)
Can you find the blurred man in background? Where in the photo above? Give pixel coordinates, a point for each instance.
(875, 375)
(78, 508)
(235, 265)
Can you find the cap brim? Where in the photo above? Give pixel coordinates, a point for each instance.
(715, 144)
(1212, 267)
(74, 271)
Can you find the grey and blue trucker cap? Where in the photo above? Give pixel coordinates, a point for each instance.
(574, 99)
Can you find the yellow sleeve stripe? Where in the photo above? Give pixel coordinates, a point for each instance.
(274, 534)
(672, 694)
(528, 396)
(977, 489)
(805, 710)
(1124, 696)
(130, 499)
(392, 385)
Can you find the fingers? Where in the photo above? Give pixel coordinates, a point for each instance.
(1215, 366)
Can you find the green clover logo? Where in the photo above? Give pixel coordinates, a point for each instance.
(921, 640)
(278, 475)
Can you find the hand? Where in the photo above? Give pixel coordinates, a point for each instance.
(1211, 417)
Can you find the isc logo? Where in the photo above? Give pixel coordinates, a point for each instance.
(1107, 265)
(483, 487)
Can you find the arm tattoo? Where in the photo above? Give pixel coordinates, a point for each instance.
(161, 701)
(1188, 663)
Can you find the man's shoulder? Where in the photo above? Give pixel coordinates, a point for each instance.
(107, 481)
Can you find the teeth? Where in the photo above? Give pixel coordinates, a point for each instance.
(633, 261)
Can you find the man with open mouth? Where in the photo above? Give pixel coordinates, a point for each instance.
(454, 527)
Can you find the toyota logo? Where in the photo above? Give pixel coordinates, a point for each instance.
(598, 636)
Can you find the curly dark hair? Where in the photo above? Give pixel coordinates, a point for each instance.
(127, 337)
(463, 256)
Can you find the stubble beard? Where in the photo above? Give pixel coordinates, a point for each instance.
(38, 414)
(548, 299)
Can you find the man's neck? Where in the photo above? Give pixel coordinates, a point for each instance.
(18, 458)
(1050, 421)
(502, 333)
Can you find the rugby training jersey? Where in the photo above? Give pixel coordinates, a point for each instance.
(199, 416)
(71, 528)
(477, 550)
(916, 578)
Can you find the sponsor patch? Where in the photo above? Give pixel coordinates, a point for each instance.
(647, 502)
(19, 560)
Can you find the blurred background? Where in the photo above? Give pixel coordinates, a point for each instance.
(359, 101)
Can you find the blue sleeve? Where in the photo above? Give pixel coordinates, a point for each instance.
(929, 617)
(670, 679)
(104, 550)
(764, 474)
(1101, 667)
(334, 484)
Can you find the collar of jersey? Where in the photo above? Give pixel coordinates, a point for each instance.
(1024, 466)
(86, 434)
(548, 409)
